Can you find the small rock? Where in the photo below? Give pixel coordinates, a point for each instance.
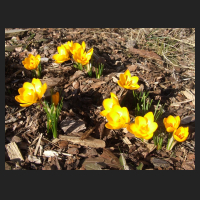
(157, 162)
(43, 60)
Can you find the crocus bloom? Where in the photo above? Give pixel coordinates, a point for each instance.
(55, 98)
(73, 47)
(31, 62)
(62, 56)
(181, 134)
(143, 127)
(117, 118)
(109, 103)
(171, 123)
(31, 92)
(80, 56)
(128, 82)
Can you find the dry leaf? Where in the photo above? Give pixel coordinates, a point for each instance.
(97, 84)
(51, 82)
(50, 153)
(122, 161)
(110, 159)
(132, 68)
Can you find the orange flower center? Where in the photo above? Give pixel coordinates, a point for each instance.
(180, 135)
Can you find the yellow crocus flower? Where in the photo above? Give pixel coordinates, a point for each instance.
(109, 103)
(80, 56)
(31, 92)
(143, 127)
(117, 118)
(128, 82)
(31, 62)
(181, 134)
(171, 123)
(62, 56)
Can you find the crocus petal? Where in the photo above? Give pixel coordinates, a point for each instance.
(149, 116)
(113, 116)
(104, 112)
(170, 129)
(127, 73)
(134, 79)
(140, 121)
(83, 45)
(153, 126)
(134, 87)
(28, 85)
(122, 79)
(125, 115)
(107, 104)
(171, 120)
(25, 104)
(178, 120)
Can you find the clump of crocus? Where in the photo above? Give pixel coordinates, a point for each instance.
(171, 123)
(143, 127)
(31, 92)
(82, 57)
(179, 134)
(118, 117)
(73, 47)
(128, 82)
(63, 54)
(109, 103)
(53, 112)
(33, 63)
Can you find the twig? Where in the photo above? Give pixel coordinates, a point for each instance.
(38, 144)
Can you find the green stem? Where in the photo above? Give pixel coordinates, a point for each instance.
(170, 142)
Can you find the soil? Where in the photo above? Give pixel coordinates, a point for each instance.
(97, 147)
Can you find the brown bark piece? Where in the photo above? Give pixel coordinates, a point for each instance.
(89, 142)
(14, 152)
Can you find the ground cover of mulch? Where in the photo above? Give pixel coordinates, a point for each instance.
(163, 59)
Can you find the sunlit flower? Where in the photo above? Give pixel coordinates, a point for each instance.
(55, 98)
(31, 92)
(80, 56)
(109, 103)
(31, 62)
(117, 118)
(143, 127)
(62, 56)
(128, 82)
(181, 134)
(171, 123)
(73, 47)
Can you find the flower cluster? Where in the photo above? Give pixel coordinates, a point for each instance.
(68, 49)
(143, 127)
(171, 124)
(118, 117)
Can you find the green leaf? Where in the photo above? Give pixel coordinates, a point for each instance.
(140, 166)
